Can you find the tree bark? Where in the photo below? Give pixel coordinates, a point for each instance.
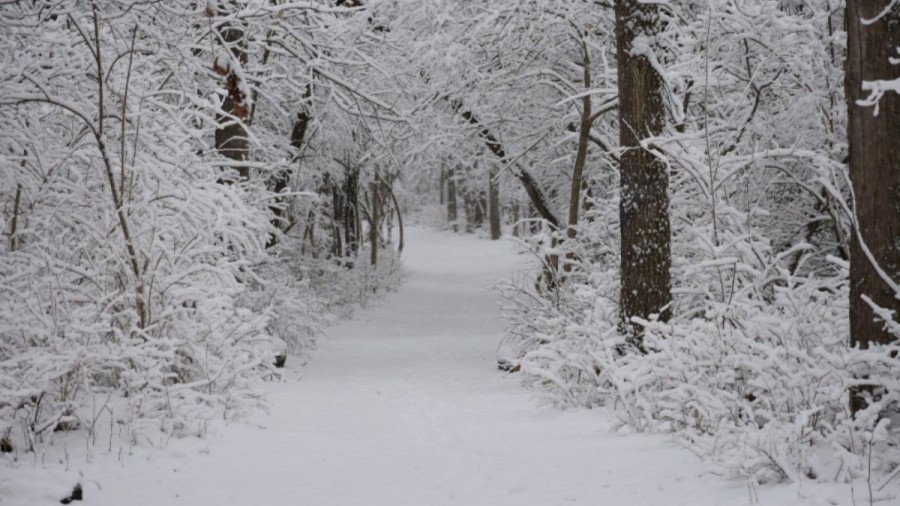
(373, 221)
(451, 199)
(231, 136)
(643, 209)
(443, 184)
(874, 170)
(494, 203)
(479, 202)
(584, 133)
(390, 191)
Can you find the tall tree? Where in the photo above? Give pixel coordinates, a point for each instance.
(231, 135)
(873, 39)
(643, 208)
(494, 202)
(451, 199)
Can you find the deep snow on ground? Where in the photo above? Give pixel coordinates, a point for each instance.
(404, 406)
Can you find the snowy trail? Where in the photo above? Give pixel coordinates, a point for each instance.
(404, 406)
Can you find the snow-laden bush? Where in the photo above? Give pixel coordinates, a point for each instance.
(139, 277)
(759, 383)
(763, 386)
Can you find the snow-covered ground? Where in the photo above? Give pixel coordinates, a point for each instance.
(404, 406)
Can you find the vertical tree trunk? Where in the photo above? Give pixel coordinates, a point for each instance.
(643, 209)
(350, 212)
(584, 133)
(451, 199)
(390, 190)
(479, 205)
(494, 203)
(374, 220)
(231, 136)
(516, 216)
(469, 206)
(337, 220)
(443, 184)
(874, 169)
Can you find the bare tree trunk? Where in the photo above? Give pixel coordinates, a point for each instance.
(443, 184)
(874, 171)
(374, 220)
(390, 190)
(451, 199)
(479, 205)
(494, 203)
(517, 227)
(231, 136)
(350, 209)
(584, 134)
(643, 209)
(469, 206)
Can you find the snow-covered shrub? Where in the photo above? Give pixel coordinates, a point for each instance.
(758, 383)
(135, 268)
(763, 387)
(754, 370)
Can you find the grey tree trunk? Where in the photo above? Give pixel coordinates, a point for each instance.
(479, 202)
(494, 203)
(443, 184)
(350, 209)
(374, 221)
(451, 199)
(584, 133)
(643, 209)
(874, 170)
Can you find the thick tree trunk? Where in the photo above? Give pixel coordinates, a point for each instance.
(451, 199)
(643, 209)
(874, 170)
(494, 203)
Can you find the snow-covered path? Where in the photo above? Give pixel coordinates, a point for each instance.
(405, 406)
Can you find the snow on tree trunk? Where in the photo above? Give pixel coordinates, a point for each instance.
(643, 208)
(231, 136)
(874, 167)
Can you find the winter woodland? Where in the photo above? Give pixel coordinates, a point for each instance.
(192, 192)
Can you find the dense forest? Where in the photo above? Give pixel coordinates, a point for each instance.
(192, 191)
